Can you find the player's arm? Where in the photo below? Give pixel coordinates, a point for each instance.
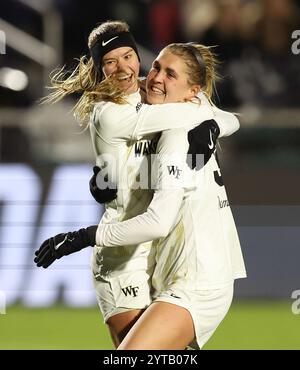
(162, 117)
(162, 213)
(64, 244)
(126, 122)
(155, 223)
(226, 121)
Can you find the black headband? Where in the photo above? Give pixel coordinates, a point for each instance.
(197, 55)
(110, 41)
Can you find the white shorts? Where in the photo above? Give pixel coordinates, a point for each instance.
(207, 308)
(127, 286)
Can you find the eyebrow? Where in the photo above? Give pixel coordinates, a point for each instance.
(172, 71)
(168, 70)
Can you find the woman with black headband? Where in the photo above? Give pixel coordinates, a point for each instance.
(121, 274)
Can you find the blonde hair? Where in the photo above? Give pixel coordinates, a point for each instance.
(195, 74)
(85, 79)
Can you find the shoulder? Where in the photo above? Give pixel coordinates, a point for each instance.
(97, 111)
(107, 113)
(174, 140)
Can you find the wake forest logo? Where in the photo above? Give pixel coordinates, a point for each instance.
(130, 290)
(174, 170)
(145, 147)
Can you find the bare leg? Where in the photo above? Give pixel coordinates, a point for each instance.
(120, 324)
(162, 326)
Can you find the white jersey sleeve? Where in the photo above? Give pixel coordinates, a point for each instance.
(227, 122)
(163, 211)
(161, 117)
(132, 121)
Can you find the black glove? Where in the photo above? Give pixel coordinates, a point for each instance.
(202, 140)
(102, 195)
(63, 244)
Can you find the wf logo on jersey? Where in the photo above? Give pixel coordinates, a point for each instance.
(130, 290)
(145, 147)
(174, 171)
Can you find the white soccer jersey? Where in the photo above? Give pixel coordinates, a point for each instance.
(117, 129)
(123, 136)
(190, 213)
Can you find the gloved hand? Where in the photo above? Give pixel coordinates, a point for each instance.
(63, 244)
(102, 195)
(202, 140)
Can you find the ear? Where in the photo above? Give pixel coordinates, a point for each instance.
(193, 91)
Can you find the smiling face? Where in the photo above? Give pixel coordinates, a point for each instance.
(167, 81)
(124, 65)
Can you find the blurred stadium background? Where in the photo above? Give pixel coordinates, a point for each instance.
(46, 162)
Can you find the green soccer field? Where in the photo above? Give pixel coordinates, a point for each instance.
(249, 325)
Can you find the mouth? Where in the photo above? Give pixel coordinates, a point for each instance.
(156, 91)
(123, 78)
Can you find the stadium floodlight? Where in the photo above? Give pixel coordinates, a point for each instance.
(13, 79)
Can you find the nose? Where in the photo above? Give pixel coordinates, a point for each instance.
(158, 77)
(121, 64)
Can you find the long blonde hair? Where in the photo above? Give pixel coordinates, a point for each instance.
(85, 79)
(196, 75)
